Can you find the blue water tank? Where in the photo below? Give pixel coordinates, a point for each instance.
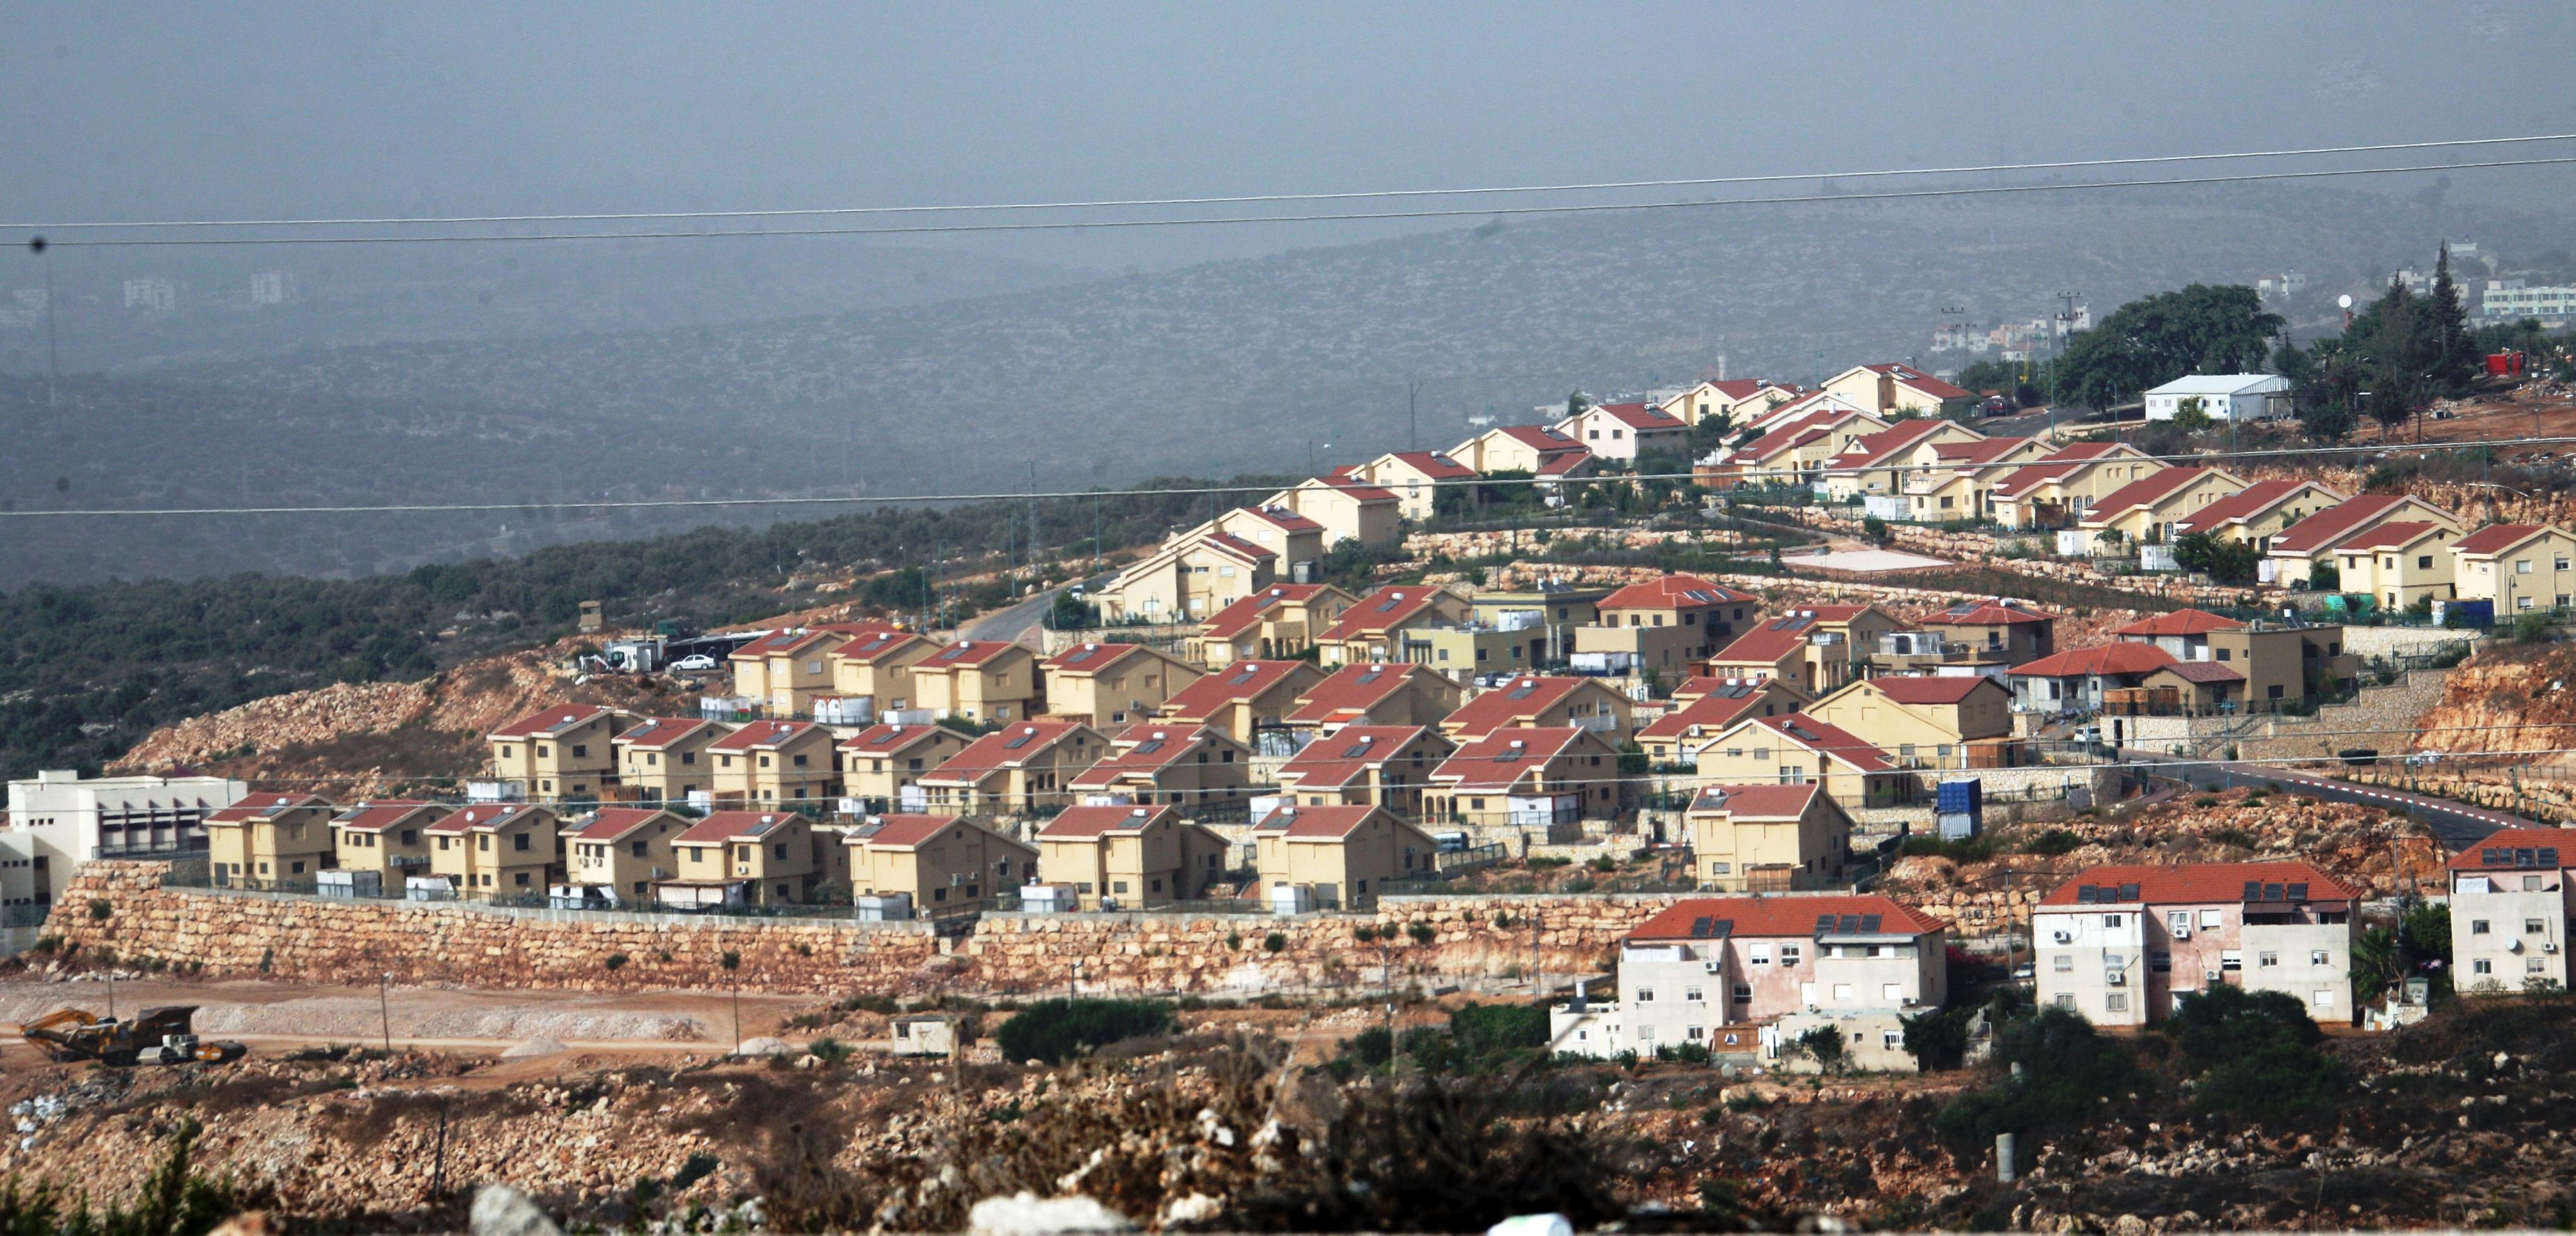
(1964, 796)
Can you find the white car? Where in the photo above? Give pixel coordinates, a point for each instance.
(699, 661)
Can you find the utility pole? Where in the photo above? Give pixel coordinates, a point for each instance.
(385, 1010)
(53, 348)
(1412, 434)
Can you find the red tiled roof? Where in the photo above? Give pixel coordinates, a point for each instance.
(1354, 689)
(1673, 592)
(904, 832)
(723, 826)
(875, 644)
(551, 720)
(480, 816)
(1758, 802)
(1942, 689)
(1090, 823)
(1740, 389)
(2496, 538)
(1502, 759)
(1829, 740)
(2394, 534)
(2197, 883)
(612, 823)
(2248, 503)
(1235, 545)
(2145, 491)
(1640, 416)
(1544, 437)
(2113, 659)
(2329, 527)
(1147, 747)
(1358, 491)
(886, 739)
(2052, 466)
(795, 639)
(1436, 465)
(2181, 622)
(1285, 518)
(1338, 758)
(1525, 696)
(1920, 381)
(1330, 823)
(1997, 612)
(655, 733)
(1871, 448)
(1008, 747)
(1382, 611)
(1090, 658)
(1797, 431)
(1776, 637)
(1239, 681)
(757, 734)
(1981, 451)
(1781, 917)
(2495, 851)
(1710, 712)
(1238, 616)
(377, 816)
(2204, 671)
(967, 652)
(261, 806)
(1565, 464)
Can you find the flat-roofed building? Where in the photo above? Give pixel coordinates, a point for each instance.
(2118, 945)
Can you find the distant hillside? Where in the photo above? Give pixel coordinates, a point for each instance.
(1218, 368)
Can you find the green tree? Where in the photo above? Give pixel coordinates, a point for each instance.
(2151, 341)
(2221, 558)
(2451, 354)
(2192, 415)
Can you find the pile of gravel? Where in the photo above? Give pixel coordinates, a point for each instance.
(763, 1046)
(538, 1046)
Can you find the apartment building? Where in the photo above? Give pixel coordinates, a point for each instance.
(624, 850)
(1342, 856)
(2298, 550)
(1366, 765)
(563, 753)
(1813, 648)
(270, 841)
(490, 850)
(2118, 945)
(1541, 701)
(1377, 693)
(1123, 857)
(665, 759)
(1021, 769)
(388, 837)
(1378, 627)
(1767, 838)
(1197, 767)
(883, 765)
(1796, 749)
(2511, 908)
(978, 679)
(942, 865)
(755, 858)
(2520, 567)
(1275, 623)
(2278, 661)
(1969, 638)
(2398, 563)
(1546, 777)
(770, 762)
(1708, 964)
(69, 819)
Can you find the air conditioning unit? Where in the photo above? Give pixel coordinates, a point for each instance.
(1714, 967)
(2065, 937)
(2550, 947)
(2116, 978)
(2182, 933)
(2209, 976)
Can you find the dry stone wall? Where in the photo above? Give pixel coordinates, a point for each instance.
(223, 934)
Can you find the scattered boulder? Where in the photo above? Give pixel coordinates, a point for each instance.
(1027, 1214)
(763, 1046)
(500, 1210)
(541, 1045)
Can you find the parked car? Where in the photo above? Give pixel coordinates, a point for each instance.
(694, 662)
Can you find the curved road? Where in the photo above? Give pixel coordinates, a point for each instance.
(2456, 825)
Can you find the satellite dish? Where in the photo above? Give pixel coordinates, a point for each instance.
(2344, 301)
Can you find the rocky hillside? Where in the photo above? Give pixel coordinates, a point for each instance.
(2507, 699)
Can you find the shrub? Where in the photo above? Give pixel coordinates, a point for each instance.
(1234, 941)
(1054, 1030)
(1274, 942)
(1824, 1045)
(2276, 1080)
(829, 1050)
(1486, 1031)
(1372, 1047)
(617, 961)
(1685, 1053)
(175, 1201)
(101, 909)
(1937, 1038)
(2053, 842)
(2069, 1070)
(1422, 933)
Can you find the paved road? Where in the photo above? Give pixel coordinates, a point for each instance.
(1011, 622)
(2456, 825)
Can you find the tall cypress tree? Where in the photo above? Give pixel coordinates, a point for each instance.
(2448, 353)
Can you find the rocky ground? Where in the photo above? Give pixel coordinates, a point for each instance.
(2461, 1121)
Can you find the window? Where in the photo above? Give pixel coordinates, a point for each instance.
(1789, 954)
(1743, 993)
(1893, 993)
(2210, 918)
(2266, 960)
(2482, 966)
(2178, 921)
(2226, 654)
(1118, 886)
(2273, 691)
(2477, 927)
(579, 750)
(2532, 927)
(519, 842)
(2111, 920)
(2424, 561)
(2322, 998)
(2530, 965)
(1694, 1033)
(1691, 995)
(2318, 957)
(1759, 955)
(1645, 995)
(1719, 867)
(1842, 991)
(2116, 1002)
(2231, 960)
(2065, 964)
(2064, 1000)
(2522, 566)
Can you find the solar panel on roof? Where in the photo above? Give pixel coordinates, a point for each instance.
(1870, 922)
(2549, 856)
(2253, 890)
(1149, 746)
(2128, 892)
(1359, 751)
(1824, 923)
(2298, 892)
(1020, 741)
(2522, 856)
(2493, 857)
(1523, 691)
(2271, 892)
(1700, 926)
(1849, 924)
(1244, 675)
(1369, 676)
(2086, 894)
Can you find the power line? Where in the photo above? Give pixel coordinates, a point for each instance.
(1245, 199)
(1185, 491)
(1342, 217)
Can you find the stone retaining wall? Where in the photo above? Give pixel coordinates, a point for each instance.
(230, 934)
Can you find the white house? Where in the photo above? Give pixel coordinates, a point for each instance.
(2223, 396)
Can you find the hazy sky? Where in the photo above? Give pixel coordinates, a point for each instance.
(152, 110)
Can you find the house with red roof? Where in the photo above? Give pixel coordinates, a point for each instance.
(1711, 707)
(1527, 777)
(1812, 648)
(767, 763)
(1366, 765)
(882, 765)
(934, 866)
(2511, 907)
(1877, 465)
(1543, 700)
(2118, 945)
(980, 680)
(1990, 632)
(1347, 508)
(2080, 680)
(2399, 563)
(1623, 431)
(1899, 390)
(1125, 857)
(1274, 623)
(1708, 612)
(495, 850)
(1776, 412)
(1021, 769)
(1245, 698)
(2148, 510)
(2520, 567)
(559, 753)
(1958, 483)
(2255, 514)
(1530, 449)
(754, 858)
(270, 840)
(782, 671)
(2056, 489)
(664, 759)
(1198, 767)
(1194, 574)
(1374, 628)
(1767, 838)
(1419, 480)
(1111, 684)
(872, 673)
(2277, 661)
(623, 850)
(1728, 401)
(1377, 693)
(2298, 550)
(1280, 529)
(1790, 449)
(1797, 748)
(1337, 857)
(1924, 722)
(1765, 970)
(385, 836)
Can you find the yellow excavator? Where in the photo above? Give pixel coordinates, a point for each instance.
(162, 1034)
